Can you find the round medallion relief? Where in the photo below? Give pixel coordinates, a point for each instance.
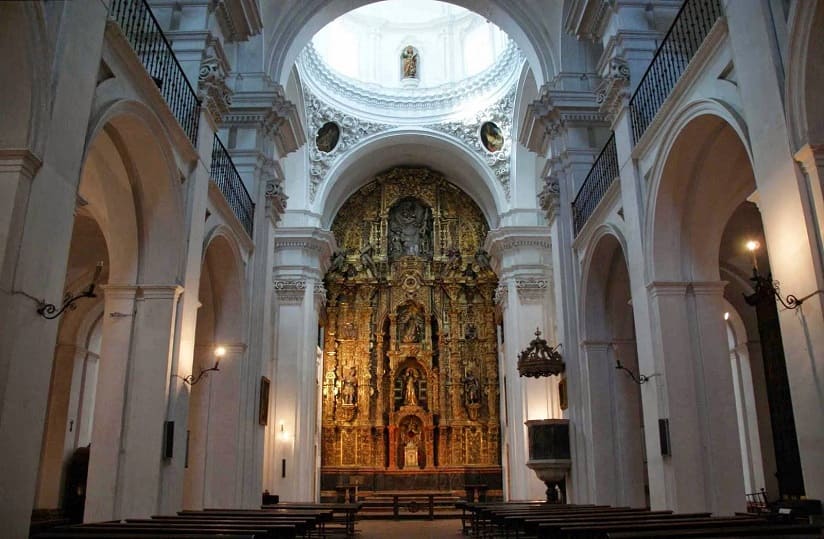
(492, 137)
(327, 137)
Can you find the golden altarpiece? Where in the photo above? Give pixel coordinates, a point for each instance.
(410, 388)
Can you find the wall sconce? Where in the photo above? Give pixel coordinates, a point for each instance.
(49, 311)
(639, 379)
(766, 286)
(192, 380)
(283, 435)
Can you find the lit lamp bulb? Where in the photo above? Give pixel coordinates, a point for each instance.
(219, 353)
(752, 247)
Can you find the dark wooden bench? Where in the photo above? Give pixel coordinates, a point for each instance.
(129, 535)
(344, 513)
(601, 530)
(775, 531)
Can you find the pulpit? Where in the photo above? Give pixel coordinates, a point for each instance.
(549, 455)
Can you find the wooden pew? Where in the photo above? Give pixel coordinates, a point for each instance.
(600, 530)
(259, 531)
(345, 513)
(775, 531)
(128, 535)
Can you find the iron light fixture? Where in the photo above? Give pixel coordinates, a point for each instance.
(192, 379)
(767, 286)
(540, 359)
(50, 311)
(640, 379)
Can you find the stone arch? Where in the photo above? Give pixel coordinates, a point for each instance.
(25, 105)
(805, 74)
(295, 26)
(694, 190)
(607, 243)
(613, 418)
(146, 151)
(411, 146)
(215, 401)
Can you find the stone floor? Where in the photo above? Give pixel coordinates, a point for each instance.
(408, 529)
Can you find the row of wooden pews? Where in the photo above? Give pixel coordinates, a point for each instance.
(559, 521)
(285, 521)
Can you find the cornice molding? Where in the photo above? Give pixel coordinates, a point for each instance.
(548, 116)
(270, 111)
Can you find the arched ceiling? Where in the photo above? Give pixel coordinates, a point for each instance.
(534, 26)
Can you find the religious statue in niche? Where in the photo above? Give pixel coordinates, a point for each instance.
(410, 324)
(409, 63)
(492, 137)
(367, 261)
(327, 137)
(410, 390)
(410, 229)
(349, 391)
(472, 389)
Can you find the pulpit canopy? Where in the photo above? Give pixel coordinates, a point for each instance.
(540, 359)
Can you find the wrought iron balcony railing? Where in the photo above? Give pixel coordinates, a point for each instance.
(687, 32)
(143, 32)
(228, 180)
(603, 172)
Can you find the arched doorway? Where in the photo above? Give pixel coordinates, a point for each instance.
(614, 426)
(212, 476)
(700, 221)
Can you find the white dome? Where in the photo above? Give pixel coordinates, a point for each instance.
(452, 43)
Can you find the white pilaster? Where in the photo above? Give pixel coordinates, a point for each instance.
(301, 258)
(521, 258)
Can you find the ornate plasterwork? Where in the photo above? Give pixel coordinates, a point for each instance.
(354, 129)
(468, 132)
(501, 294)
(550, 198)
(448, 96)
(290, 291)
(531, 290)
(211, 82)
(613, 92)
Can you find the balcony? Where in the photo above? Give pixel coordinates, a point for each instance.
(604, 171)
(685, 36)
(682, 41)
(144, 34)
(227, 179)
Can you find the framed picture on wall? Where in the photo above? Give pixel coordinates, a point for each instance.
(263, 410)
(562, 393)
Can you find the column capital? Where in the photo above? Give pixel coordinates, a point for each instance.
(708, 288)
(23, 161)
(520, 252)
(667, 288)
(613, 94)
(811, 158)
(159, 291)
(550, 198)
(303, 251)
